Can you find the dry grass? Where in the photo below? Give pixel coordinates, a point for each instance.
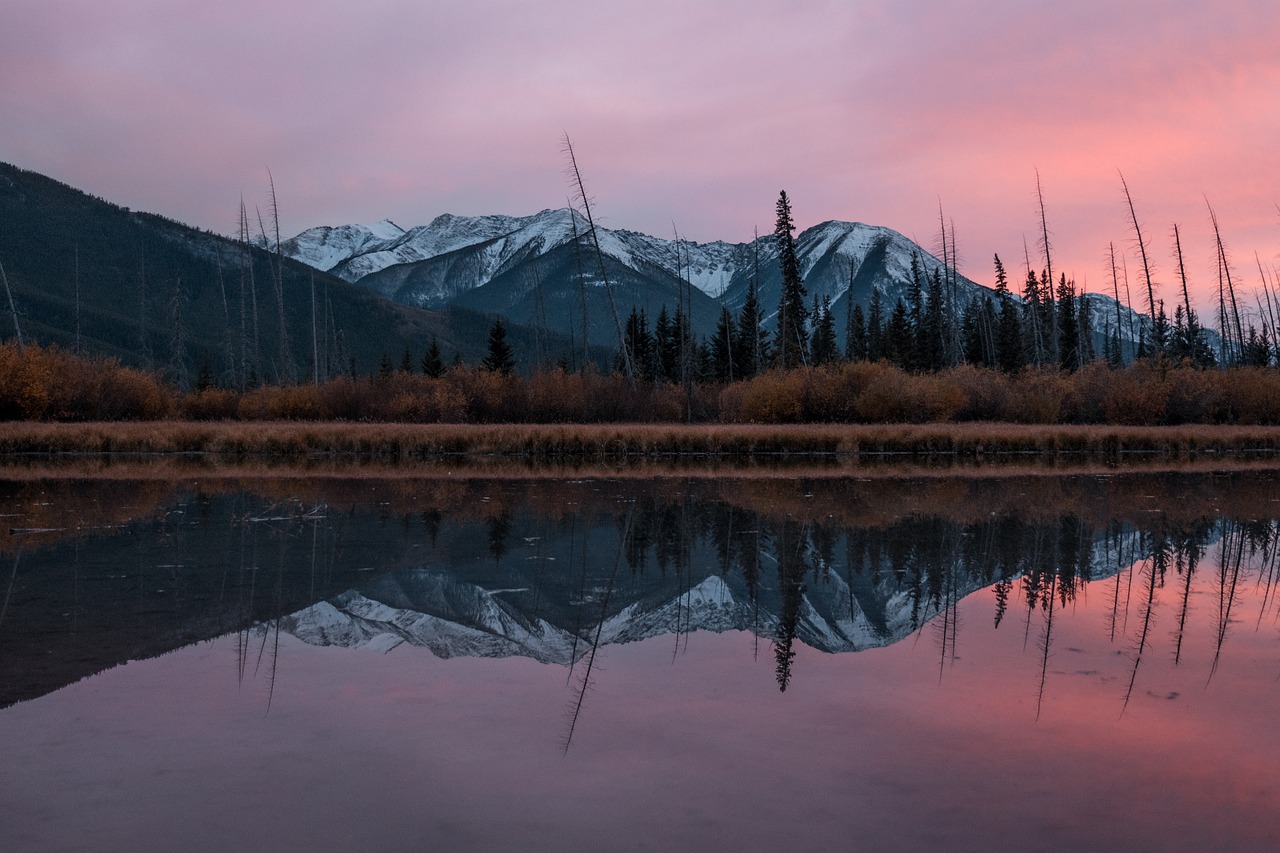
(627, 442)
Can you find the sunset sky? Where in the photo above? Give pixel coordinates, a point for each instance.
(692, 113)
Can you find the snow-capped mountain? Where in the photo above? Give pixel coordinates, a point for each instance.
(533, 270)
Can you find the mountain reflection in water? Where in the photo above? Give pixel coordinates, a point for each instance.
(1101, 585)
(552, 569)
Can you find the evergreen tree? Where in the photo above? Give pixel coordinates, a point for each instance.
(499, 358)
(640, 343)
(721, 349)
(916, 354)
(823, 346)
(875, 327)
(1084, 329)
(1068, 328)
(1033, 344)
(384, 367)
(432, 364)
(751, 341)
(857, 347)
(406, 361)
(933, 333)
(898, 338)
(791, 344)
(666, 344)
(974, 347)
(1009, 337)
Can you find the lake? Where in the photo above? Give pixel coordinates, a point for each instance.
(597, 660)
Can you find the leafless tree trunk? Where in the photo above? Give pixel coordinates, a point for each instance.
(576, 176)
(1142, 250)
(1224, 274)
(13, 308)
(287, 372)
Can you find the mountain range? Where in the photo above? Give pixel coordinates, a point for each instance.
(155, 293)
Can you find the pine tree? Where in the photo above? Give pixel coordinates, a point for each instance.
(791, 341)
(898, 338)
(856, 348)
(640, 343)
(1009, 343)
(875, 327)
(432, 364)
(824, 347)
(721, 354)
(933, 334)
(406, 361)
(751, 340)
(499, 358)
(1068, 328)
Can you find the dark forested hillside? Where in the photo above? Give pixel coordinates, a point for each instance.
(157, 294)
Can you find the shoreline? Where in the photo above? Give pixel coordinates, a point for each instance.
(26, 441)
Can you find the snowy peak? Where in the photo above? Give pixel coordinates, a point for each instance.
(324, 247)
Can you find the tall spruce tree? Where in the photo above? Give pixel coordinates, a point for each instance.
(499, 358)
(751, 342)
(432, 363)
(791, 342)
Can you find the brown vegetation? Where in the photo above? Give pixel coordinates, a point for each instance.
(853, 408)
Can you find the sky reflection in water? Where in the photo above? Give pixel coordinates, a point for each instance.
(955, 735)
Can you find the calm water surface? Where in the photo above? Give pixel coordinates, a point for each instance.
(895, 663)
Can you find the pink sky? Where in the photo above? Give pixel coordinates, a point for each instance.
(696, 113)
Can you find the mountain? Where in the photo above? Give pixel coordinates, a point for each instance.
(532, 269)
(158, 294)
(540, 269)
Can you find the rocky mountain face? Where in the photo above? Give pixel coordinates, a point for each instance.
(542, 269)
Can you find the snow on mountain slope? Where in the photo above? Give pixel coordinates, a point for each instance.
(495, 243)
(324, 247)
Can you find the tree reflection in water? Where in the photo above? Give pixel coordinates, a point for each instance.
(559, 569)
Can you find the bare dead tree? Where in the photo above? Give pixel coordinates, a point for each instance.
(77, 289)
(13, 308)
(277, 274)
(1044, 230)
(315, 340)
(144, 345)
(576, 176)
(1115, 289)
(1224, 276)
(1142, 251)
(582, 287)
(253, 356)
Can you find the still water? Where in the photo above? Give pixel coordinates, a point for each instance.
(521, 662)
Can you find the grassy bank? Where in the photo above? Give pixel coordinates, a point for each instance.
(627, 442)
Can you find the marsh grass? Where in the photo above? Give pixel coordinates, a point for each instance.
(402, 443)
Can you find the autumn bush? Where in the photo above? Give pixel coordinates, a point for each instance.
(47, 383)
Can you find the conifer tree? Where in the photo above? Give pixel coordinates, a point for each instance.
(791, 345)
(499, 358)
(856, 347)
(898, 338)
(432, 364)
(1068, 328)
(751, 340)
(824, 347)
(875, 327)
(721, 350)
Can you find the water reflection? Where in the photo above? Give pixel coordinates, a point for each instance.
(104, 571)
